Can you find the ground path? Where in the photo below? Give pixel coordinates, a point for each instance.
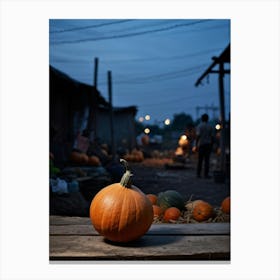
(151, 179)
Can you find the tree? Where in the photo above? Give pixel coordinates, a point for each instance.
(181, 121)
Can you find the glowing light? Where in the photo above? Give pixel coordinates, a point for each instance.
(141, 119)
(167, 122)
(218, 126)
(147, 117)
(184, 137)
(147, 130)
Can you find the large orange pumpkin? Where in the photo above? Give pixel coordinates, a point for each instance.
(202, 211)
(171, 213)
(121, 212)
(225, 206)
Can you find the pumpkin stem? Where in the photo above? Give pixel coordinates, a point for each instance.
(126, 179)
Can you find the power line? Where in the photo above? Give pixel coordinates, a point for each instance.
(171, 101)
(166, 58)
(129, 34)
(162, 76)
(90, 26)
(80, 61)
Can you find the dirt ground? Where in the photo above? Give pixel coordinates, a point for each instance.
(154, 179)
(151, 176)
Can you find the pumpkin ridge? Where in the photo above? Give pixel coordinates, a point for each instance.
(121, 224)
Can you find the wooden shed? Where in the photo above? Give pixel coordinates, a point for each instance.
(69, 101)
(123, 125)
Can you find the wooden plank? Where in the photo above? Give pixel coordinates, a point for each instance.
(66, 220)
(156, 229)
(148, 247)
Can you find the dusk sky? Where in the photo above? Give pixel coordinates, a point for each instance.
(154, 63)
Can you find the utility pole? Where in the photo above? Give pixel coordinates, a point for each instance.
(93, 109)
(111, 116)
(95, 72)
(222, 117)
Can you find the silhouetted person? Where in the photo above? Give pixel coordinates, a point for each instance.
(204, 140)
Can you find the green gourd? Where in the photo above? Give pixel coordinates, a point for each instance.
(170, 198)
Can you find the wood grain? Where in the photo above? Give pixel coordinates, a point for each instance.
(74, 238)
(155, 229)
(146, 248)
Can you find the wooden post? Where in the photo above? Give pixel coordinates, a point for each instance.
(95, 71)
(113, 148)
(93, 114)
(222, 116)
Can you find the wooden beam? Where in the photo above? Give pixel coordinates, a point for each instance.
(222, 117)
(113, 148)
(218, 71)
(198, 82)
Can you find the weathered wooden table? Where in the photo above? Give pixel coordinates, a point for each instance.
(74, 238)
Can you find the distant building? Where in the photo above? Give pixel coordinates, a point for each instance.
(76, 107)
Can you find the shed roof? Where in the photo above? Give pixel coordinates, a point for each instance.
(60, 83)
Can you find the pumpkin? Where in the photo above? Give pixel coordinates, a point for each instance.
(75, 157)
(83, 158)
(138, 155)
(94, 161)
(202, 211)
(157, 211)
(121, 212)
(171, 213)
(225, 206)
(152, 198)
(191, 204)
(170, 198)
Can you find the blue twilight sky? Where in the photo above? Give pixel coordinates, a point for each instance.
(154, 63)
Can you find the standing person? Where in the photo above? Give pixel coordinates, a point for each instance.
(204, 141)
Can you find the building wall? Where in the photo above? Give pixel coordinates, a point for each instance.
(124, 128)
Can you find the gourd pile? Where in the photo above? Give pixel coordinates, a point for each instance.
(169, 207)
(84, 159)
(134, 156)
(121, 212)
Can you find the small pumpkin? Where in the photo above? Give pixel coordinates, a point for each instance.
(225, 206)
(84, 158)
(152, 198)
(202, 211)
(157, 211)
(171, 198)
(75, 157)
(191, 204)
(94, 161)
(171, 213)
(121, 212)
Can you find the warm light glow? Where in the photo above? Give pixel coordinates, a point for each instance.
(218, 126)
(184, 137)
(147, 130)
(167, 122)
(141, 119)
(147, 117)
